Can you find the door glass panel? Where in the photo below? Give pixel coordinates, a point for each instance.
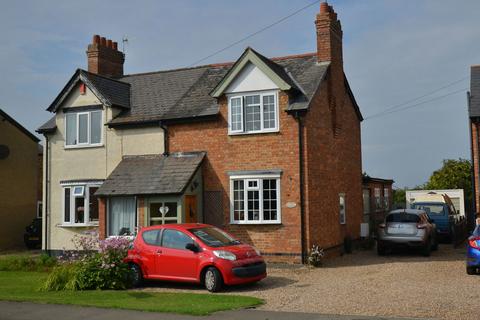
(163, 212)
(172, 210)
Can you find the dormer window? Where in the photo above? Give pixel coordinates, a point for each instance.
(253, 113)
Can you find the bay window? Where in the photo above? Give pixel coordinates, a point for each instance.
(83, 128)
(80, 206)
(252, 113)
(255, 200)
(122, 216)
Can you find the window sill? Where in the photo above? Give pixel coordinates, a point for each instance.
(84, 146)
(255, 223)
(253, 132)
(77, 225)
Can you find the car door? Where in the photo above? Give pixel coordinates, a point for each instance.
(175, 262)
(150, 248)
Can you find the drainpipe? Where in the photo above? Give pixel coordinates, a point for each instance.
(46, 194)
(302, 184)
(165, 138)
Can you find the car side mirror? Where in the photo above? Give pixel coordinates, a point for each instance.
(192, 247)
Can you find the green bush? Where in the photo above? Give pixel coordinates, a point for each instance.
(24, 262)
(102, 269)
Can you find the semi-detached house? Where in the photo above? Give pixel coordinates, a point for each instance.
(266, 148)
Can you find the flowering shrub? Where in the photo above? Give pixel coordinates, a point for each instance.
(96, 264)
(315, 258)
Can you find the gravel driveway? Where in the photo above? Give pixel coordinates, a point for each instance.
(401, 284)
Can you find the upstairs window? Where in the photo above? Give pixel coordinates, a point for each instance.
(253, 113)
(83, 128)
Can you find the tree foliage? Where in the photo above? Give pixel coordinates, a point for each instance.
(454, 174)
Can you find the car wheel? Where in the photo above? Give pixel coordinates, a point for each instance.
(427, 249)
(137, 276)
(381, 250)
(471, 270)
(213, 280)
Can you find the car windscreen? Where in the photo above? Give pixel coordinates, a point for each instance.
(213, 237)
(432, 209)
(403, 217)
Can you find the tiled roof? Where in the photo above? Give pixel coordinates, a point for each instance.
(474, 105)
(185, 93)
(48, 126)
(152, 174)
(116, 92)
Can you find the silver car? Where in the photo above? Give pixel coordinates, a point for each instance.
(407, 228)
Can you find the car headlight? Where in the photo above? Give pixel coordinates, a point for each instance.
(227, 255)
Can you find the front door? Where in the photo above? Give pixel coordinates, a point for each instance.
(191, 209)
(175, 262)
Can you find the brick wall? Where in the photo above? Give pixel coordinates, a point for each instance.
(333, 166)
(476, 166)
(250, 152)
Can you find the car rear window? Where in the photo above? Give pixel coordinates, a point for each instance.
(403, 217)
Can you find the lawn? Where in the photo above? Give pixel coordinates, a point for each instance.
(23, 286)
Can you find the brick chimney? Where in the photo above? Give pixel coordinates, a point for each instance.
(104, 58)
(329, 36)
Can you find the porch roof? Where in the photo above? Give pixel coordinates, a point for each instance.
(152, 174)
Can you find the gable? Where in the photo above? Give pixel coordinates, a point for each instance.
(272, 70)
(75, 99)
(250, 78)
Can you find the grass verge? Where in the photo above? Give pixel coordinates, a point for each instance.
(23, 286)
(26, 261)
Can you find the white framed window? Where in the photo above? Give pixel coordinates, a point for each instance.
(122, 219)
(255, 200)
(83, 129)
(378, 199)
(342, 208)
(253, 113)
(80, 206)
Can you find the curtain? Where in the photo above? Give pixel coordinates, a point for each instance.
(121, 216)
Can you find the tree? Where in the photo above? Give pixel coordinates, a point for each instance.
(454, 174)
(399, 200)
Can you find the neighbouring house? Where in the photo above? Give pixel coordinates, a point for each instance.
(474, 117)
(19, 181)
(266, 148)
(377, 200)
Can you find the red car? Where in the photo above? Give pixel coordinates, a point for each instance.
(198, 253)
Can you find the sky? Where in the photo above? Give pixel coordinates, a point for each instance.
(394, 51)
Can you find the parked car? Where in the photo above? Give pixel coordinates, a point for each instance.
(33, 234)
(197, 253)
(407, 228)
(473, 252)
(448, 220)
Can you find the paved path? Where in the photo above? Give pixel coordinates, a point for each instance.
(29, 311)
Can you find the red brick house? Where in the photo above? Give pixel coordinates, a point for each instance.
(267, 148)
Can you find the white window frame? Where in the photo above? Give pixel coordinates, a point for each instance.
(86, 196)
(342, 215)
(89, 125)
(242, 96)
(259, 188)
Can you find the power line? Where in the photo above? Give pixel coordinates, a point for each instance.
(255, 33)
(420, 97)
(415, 105)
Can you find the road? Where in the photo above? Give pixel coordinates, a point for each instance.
(29, 311)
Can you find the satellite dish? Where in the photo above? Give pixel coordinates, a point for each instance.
(4, 151)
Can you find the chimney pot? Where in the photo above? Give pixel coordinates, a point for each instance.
(115, 45)
(109, 44)
(324, 7)
(103, 41)
(96, 39)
